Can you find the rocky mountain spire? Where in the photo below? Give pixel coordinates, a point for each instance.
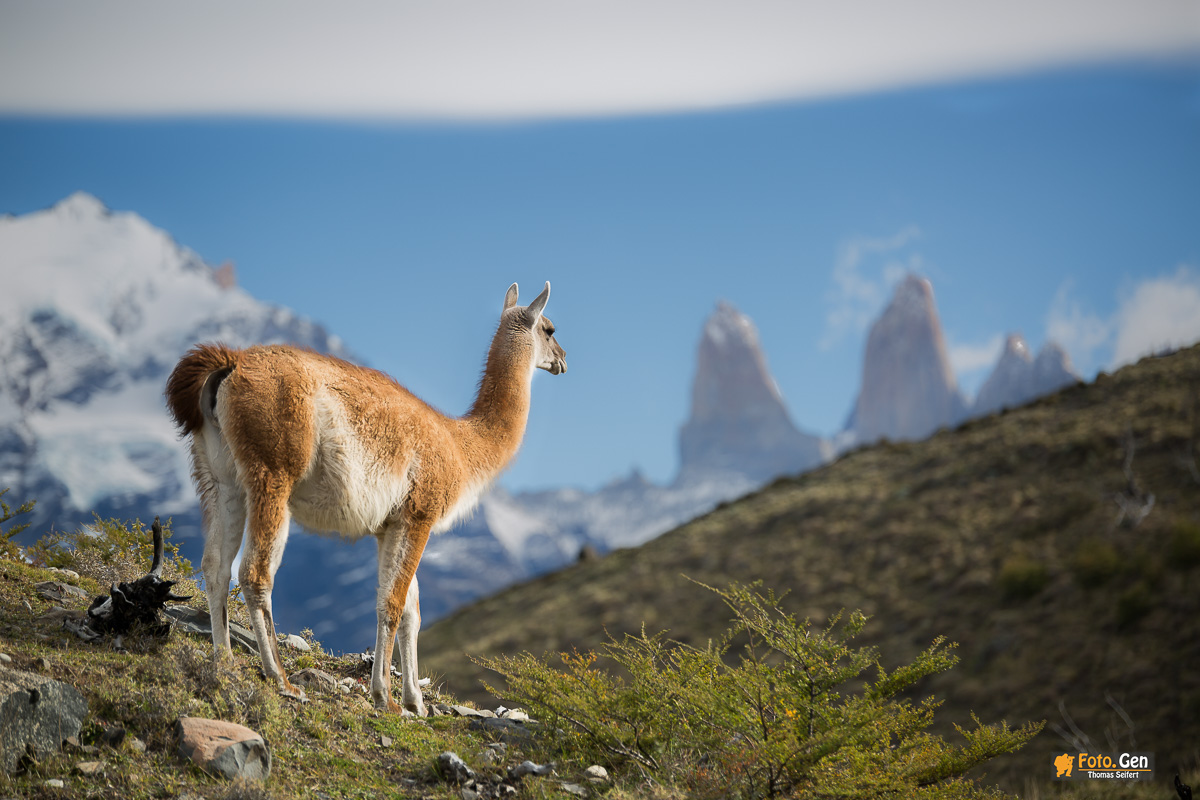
(1018, 378)
(908, 389)
(738, 423)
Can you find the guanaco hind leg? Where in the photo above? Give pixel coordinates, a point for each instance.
(223, 507)
(268, 533)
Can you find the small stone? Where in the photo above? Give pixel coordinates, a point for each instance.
(506, 790)
(529, 768)
(137, 744)
(54, 783)
(469, 794)
(467, 711)
(89, 767)
(596, 773)
(453, 769)
(59, 591)
(314, 679)
(296, 642)
(574, 788)
(386, 741)
(5, 659)
(42, 664)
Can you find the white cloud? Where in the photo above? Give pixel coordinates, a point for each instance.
(1156, 314)
(865, 272)
(1080, 332)
(968, 358)
(1161, 313)
(479, 59)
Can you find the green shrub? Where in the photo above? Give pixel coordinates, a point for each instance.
(1183, 551)
(1021, 577)
(9, 548)
(788, 717)
(1095, 563)
(110, 552)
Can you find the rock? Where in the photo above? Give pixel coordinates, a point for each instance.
(529, 768)
(36, 715)
(574, 788)
(310, 678)
(738, 425)
(596, 773)
(225, 749)
(192, 620)
(55, 783)
(469, 794)
(5, 659)
(89, 767)
(908, 388)
(60, 592)
(467, 711)
(69, 574)
(385, 741)
(42, 664)
(137, 745)
(453, 769)
(515, 714)
(1017, 378)
(296, 642)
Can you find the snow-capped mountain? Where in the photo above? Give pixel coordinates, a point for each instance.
(97, 307)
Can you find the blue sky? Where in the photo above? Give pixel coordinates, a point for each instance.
(1059, 199)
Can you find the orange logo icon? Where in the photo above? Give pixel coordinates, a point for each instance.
(1064, 764)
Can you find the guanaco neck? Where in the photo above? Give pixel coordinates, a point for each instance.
(496, 422)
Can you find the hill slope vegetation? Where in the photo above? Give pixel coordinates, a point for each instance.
(1016, 535)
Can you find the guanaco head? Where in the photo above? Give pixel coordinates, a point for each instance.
(547, 354)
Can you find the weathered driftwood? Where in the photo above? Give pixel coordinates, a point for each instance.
(137, 603)
(36, 715)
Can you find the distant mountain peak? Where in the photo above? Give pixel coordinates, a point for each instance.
(908, 388)
(81, 205)
(1018, 377)
(738, 422)
(732, 378)
(1015, 347)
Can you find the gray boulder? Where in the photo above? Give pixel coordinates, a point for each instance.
(36, 715)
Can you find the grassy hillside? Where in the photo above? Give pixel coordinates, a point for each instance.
(1002, 535)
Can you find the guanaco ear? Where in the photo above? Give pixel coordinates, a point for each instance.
(510, 298)
(539, 302)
